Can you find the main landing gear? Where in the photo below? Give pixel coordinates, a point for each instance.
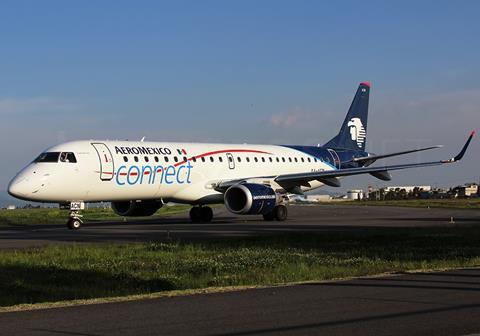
(75, 220)
(201, 214)
(279, 213)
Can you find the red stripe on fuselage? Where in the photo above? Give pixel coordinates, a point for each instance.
(109, 173)
(222, 152)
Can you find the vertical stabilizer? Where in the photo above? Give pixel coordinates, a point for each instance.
(353, 133)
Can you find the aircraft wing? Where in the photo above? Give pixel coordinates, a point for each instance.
(367, 160)
(292, 182)
(329, 177)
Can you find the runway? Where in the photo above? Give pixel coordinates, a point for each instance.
(226, 225)
(445, 303)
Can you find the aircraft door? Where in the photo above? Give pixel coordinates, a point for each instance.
(336, 159)
(231, 162)
(106, 161)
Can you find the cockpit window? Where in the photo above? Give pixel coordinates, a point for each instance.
(68, 157)
(48, 157)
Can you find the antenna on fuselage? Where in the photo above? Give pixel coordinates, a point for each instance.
(142, 139)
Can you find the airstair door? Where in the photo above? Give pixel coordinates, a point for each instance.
(106, 161)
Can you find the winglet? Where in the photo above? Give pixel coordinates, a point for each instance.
(464, 149)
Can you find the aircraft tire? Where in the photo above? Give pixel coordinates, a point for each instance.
(74, 224)
(280, 212)
(206, 214)
(195, 214)
(269, 216)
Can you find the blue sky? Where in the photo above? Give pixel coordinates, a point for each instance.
(244, 71)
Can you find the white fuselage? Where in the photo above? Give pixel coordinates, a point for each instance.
(180, 172)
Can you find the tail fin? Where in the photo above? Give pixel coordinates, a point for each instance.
(353, 134)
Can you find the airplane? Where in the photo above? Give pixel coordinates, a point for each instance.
(139, 177)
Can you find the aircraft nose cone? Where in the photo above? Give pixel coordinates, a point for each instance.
(16, 188)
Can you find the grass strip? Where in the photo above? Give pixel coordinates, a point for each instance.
(82, 272)
(50, 216)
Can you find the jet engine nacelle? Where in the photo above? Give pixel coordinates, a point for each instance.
(250, 199)
(136, 208)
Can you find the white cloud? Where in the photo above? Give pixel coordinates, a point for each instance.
(297, 118)
(10, 106)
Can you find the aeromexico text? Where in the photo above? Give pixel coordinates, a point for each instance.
(143, 150)
(137, 174)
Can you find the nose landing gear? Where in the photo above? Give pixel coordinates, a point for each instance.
(75, 218)
(75, 221)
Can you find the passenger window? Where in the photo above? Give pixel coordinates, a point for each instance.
(146, 158)
(185, 159)
(175, 159)
(67, 157)
(315, 159)
(289, 159)
(194, 159)
(296, 160)
(220, 159)
(248, 159)
(308, 159)
(271, 160)
(125, 159)
(135, 158)
(239, 159)
(203, 159)
(156, 158)
(211, 158)
(256, 159)
(166, 158)
(278, 160)
(230, 159)
(263, 159)
(302, 159)
(283, 159)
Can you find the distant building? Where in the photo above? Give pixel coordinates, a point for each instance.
(355, 194)
(467, 190)
(11, 207)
